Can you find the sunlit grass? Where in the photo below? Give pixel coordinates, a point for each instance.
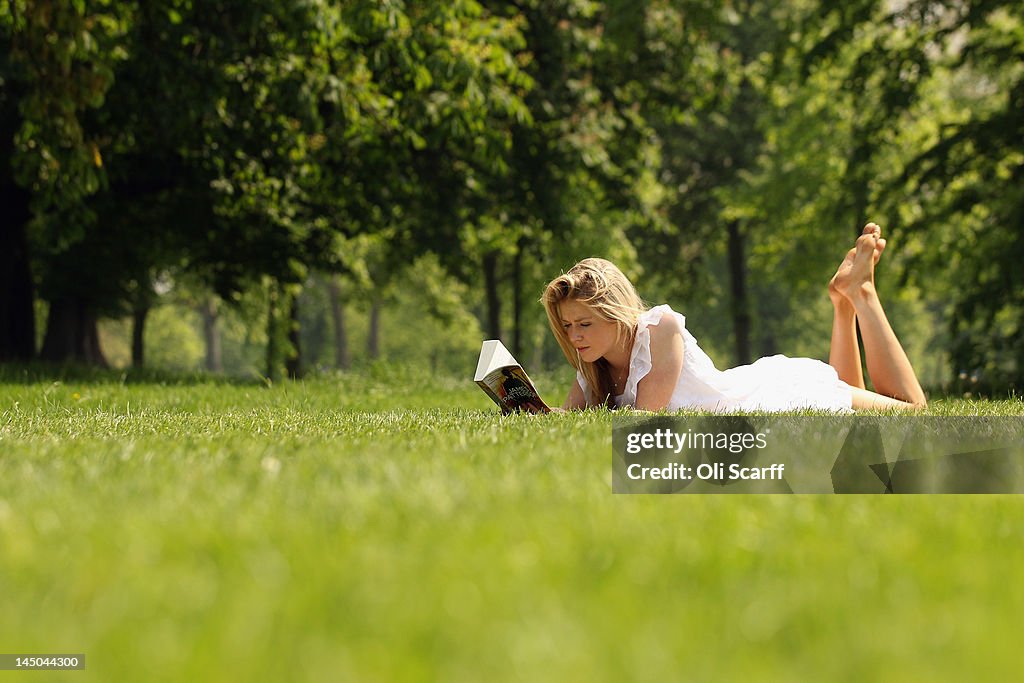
(390, 525)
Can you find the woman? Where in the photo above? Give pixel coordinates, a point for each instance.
(628, 355)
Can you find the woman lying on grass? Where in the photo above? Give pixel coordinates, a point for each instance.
(628, 355)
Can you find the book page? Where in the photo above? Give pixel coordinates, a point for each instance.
(493, 355)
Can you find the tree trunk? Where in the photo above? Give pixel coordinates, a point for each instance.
(17, 313)
(738, 285)
(273, 342)
(517, 301)
(490, 265)
(769, 346)
(293, 363)
(373, 338)
(342, 360)
(72, 334)
(139, 316)
(210, 311)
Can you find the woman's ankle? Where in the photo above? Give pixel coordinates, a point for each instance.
(862, 295)
(844, 308)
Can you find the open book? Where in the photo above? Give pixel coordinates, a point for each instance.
(505, 381)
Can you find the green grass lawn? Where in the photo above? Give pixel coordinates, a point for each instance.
(383, 526)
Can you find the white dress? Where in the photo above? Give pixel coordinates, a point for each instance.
(776, 383)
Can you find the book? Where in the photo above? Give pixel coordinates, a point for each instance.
(504, 380)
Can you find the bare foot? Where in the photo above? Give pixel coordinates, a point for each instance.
(857, 271)
(834, 291)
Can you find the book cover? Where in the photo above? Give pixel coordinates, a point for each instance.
(501, 377)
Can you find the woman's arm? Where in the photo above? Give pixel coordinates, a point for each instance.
(576, 400)
(655, 390)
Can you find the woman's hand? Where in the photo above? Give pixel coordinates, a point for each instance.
(575, 400)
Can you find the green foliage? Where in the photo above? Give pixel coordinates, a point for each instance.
(60, 61)
(225, 143)
(173, 342)
(903, 115)
(426, 321)
(172, 339)
(431, 325)
(970, 170)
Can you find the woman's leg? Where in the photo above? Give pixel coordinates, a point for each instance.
(843, 352)
(869, 400)
(887, 362)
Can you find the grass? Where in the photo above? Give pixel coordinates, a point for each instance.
(387, 526)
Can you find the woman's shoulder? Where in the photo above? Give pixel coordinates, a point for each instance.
(668, 325)
(662, 320)
(656, 329)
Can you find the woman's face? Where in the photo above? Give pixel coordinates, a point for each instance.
(592, 336)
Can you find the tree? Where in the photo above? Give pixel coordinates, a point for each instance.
(56, 62)
(969, 176)
(707, 70)
(567, 187)
(910, 114)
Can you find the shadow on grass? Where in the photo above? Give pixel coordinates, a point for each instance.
(376, 372)
(40, 372)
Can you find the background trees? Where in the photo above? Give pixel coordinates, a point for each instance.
(307, 173)
(57, 63)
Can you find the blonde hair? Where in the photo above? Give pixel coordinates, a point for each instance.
(600, 285)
